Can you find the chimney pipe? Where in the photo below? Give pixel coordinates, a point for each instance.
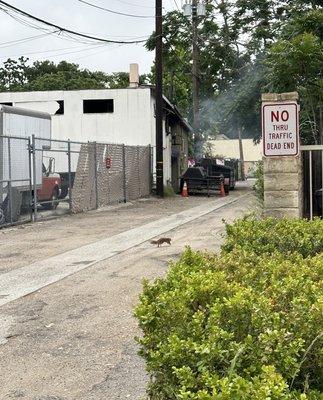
(134, 76)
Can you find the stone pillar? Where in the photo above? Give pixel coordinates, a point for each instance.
(283, 184)
(282, 177)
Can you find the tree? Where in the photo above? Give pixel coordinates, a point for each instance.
(13, 74)
(295, 63)
(220, 56)
(18, 75)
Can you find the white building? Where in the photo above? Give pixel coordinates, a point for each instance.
(229, 148)
(112, 115)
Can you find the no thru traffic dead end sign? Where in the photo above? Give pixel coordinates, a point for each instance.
(280, 129)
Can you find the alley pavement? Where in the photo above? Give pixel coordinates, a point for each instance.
(72, 338)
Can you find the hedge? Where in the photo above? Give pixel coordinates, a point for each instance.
(271, 235)
(242, 325)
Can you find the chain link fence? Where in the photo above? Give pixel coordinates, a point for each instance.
(41, 178)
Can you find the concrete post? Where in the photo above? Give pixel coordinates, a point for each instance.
(282, 177)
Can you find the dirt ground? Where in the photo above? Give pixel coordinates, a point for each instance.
(32, 242)
(74, 340)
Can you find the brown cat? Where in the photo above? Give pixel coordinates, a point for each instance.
(160, 241)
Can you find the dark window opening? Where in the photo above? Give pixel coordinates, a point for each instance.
(98, 106)
(60, 111)
(6, 104)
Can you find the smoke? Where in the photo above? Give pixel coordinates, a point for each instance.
(237, 107)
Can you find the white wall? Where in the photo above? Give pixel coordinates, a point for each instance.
(131, 123)
(128, 124)
(167, 145)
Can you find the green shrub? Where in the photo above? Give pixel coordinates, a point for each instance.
(271, 235)
(242, 325)
(259, 184)
(169, 191)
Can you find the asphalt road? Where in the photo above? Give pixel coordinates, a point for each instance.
(74, 339)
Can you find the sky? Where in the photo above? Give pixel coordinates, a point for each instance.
(80, 17)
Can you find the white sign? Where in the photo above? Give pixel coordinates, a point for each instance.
(280, 129)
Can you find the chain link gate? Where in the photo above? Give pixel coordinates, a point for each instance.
(15, 180)
(40, 178)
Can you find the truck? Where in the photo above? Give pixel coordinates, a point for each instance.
(21, 170)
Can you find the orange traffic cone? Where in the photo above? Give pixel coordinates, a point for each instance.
(185, 191)
(222, 191)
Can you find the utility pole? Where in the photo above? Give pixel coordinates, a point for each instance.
(195, 9)
(196, 83)
(243, 175)
(159, 100)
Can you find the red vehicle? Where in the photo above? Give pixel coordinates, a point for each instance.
(50, 191)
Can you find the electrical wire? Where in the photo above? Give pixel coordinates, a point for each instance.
(57, 50)
(176, 4)
(66, 30)
(24, 40)
(99, 52)
(134, 5)
(115, 12)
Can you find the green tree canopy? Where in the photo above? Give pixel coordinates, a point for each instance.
(19, 75)
(235, 39)
(295, 62)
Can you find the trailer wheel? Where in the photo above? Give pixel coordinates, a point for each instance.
(64, 192)
(53, 201)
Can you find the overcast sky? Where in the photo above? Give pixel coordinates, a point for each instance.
(80, 17)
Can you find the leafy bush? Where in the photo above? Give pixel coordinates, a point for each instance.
(242, 325)
(271, 235)
(258, 186)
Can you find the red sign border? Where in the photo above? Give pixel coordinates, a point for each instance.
(263, 128)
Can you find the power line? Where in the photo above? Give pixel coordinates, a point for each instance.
(134, 5)
(176, 4)
(23, 40)
(65, 30)
(57, 50)
(115, 12)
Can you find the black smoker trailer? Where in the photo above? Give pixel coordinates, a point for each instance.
(198, 180)
(213, 169)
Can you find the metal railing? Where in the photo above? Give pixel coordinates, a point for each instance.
(312, 158)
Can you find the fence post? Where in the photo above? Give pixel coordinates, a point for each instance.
(9, 179)
(151, 168)
(311, 184)
(124, 173)
(30, 199)
(96, 177)
(138, 166)
(322, 182)
(34, 178)
(69, 175)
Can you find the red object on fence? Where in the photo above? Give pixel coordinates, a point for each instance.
(108, 162)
